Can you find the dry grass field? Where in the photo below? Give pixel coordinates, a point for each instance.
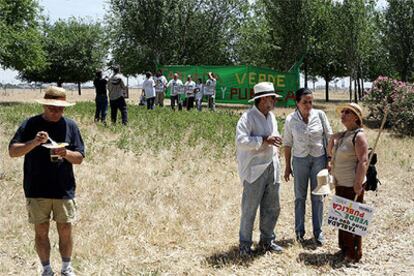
(147, 206)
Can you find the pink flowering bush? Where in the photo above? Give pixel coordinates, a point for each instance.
(398, 97)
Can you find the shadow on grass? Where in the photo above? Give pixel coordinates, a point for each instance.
(231, 256)
(321, 259)
(11, 103)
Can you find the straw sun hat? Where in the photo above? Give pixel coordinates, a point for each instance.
(324, 183)
(264, 89)
(355, 108)
(55, 96)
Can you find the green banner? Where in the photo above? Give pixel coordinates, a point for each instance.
(235, 83)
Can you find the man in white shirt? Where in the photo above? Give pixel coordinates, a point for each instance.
(257, 142)
(189, 88)
(149, 90)
(211, 85)
(160, 85)
(175, 84)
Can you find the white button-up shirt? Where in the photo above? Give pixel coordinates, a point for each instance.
(306, 139)
(253, 156)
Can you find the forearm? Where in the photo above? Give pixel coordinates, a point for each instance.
(21, 149)
(288, 156)
(360, 173)
(73, 157)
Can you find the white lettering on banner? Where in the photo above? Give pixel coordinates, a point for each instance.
(223, 92)
(350, 216)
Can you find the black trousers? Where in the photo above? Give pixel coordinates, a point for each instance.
(121, 105)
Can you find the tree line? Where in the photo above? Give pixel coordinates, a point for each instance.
(332, 39)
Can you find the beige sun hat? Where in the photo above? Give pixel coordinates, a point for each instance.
(355, 108)
(324, 183)
(55, 96)
(264, 89)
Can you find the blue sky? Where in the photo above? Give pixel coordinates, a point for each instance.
(55, 9)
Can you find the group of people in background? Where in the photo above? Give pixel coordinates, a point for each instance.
(153, 93)
(309, 147)
(181, 95)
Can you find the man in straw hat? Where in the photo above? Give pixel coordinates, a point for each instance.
(257, 142)
(49, 184)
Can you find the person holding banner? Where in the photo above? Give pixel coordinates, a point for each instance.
(189, 92)
(257, 142)
(199, 94)
(306, 133)
(348, 154)
(175, 85)
(211, 88)
(160, 85)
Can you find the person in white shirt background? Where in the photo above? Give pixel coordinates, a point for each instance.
(199, 94)
(149, 89)
(306, 133)
(190, 86)
(257, 142)
(160, 85)
(174, 97)
(211, 83)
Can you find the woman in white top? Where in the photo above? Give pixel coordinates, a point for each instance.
(199, 93)
(305, 135)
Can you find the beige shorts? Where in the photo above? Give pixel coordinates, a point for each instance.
(39, 210)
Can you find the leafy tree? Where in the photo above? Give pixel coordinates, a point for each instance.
(147, 33)
(20, 45)
(254, 42)
(324, 54)
(290, 23)
(399, 36)
(74, 50)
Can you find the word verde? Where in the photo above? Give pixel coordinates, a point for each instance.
(253, 78)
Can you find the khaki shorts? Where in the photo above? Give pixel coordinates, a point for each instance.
(39, 210)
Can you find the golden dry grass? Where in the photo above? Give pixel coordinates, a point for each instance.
(177, 212)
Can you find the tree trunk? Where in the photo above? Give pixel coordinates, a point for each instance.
(79, 89)
(355, 92)
(306, 74)
(350, 89)
(326, 90)
(314, 89)
(59, 83)
(362, 87)
(359, 88)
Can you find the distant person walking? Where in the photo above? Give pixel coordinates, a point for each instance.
(257, 143)
(160, 86)
(149, 90)
(48, 178)
(174, 85)
(117, 90)
(101, 98)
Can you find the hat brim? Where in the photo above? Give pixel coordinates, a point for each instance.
(265, 95)
(355, 111)
(322, 190)
(58, 103)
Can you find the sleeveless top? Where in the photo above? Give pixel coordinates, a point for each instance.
(344, 160)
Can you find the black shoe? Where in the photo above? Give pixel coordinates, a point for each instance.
(270, 247)
(245, 252)
(300, 239)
